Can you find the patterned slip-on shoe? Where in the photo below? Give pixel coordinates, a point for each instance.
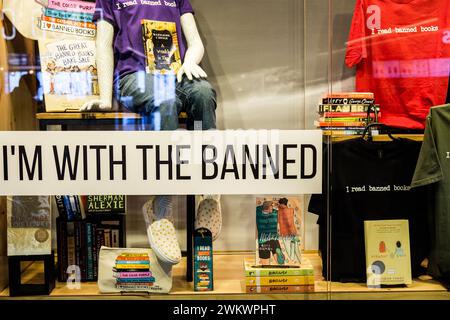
(209, 216)
(147, 211)
(163, 240)
(156, 208)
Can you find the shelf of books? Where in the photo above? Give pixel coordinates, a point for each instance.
(233, 280)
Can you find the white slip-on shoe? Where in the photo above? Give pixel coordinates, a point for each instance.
(163, 241)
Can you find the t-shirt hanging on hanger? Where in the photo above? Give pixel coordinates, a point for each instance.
(369, 181)
(402, 54)
(433, 167)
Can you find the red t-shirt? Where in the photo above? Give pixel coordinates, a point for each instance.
(402, 52)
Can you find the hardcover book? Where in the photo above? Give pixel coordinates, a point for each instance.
(161, 47)
(278, 231)
(68, 74)
(109, 204)
(28, 225)
(388, 258)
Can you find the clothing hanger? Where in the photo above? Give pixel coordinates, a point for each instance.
(377, 124)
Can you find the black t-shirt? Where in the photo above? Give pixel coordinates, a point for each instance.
(369, 181)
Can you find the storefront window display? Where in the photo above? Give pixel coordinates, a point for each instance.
(319, 125)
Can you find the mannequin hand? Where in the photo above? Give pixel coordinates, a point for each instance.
(95, 105)
(192, 70)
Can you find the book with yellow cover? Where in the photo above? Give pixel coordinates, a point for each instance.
(280, 281)
(161, 47)
(279, 289)
(252, 270)
(388, 258)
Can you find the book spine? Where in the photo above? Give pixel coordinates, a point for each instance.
(342, 132)
(68, 207)
(89, 253)
(115, 238)
(279, 289)
(339, 124)
(59, 200)
(83, 256)
(77, 24)
(62, 249)
(80, 206)
(75, 207)
(354, 95)
(75, 16)
(346, 119)
(78, 251)
(279, 273)
(71, 244)
(271, 281)
(346, 101)
(95, 250)
(343, 128)
(107, 237)
(349, 114)
(57, 27)
(342, 108)
(72, 6)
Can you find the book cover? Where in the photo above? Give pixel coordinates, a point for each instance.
(161, 47)
(306, 269)
(388, 258)
(109, 204)
(68, 73)
(278, 231)
(28, 225)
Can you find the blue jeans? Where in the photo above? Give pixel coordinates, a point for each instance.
(161, 98)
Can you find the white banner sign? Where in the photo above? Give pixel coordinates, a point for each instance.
(165, 162)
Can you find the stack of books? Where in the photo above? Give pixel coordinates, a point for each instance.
(272, 279)
(132, 271)
(347, 113)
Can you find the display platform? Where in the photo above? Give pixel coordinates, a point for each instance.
(229, 284)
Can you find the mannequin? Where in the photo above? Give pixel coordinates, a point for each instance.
(193, 94)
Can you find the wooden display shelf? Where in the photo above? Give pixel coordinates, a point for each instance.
(229, 284)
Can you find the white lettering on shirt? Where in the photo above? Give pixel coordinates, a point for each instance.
(374, 17)
(446, 37)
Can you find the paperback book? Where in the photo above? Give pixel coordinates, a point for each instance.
(388, 258)
(278, 231)
(68, 74)
(161, 47)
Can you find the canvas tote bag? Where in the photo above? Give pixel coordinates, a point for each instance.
(132, 270)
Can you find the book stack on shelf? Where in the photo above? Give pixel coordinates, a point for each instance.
(273, 279)
(84, 225)
(347, 113)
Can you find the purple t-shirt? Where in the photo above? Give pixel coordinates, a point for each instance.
(126, 16)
